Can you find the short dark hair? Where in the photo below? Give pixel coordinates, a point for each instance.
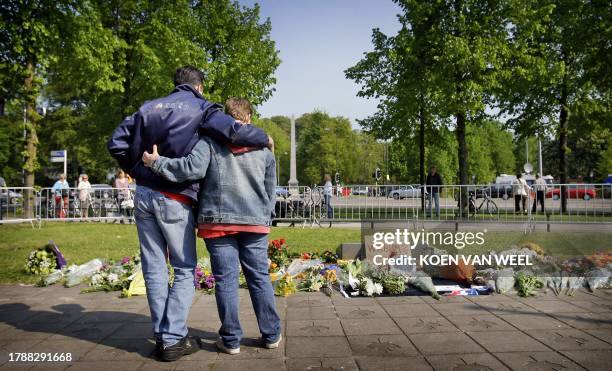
(239, 108)
(188, 75)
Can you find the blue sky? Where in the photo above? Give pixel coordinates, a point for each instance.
(317, 41)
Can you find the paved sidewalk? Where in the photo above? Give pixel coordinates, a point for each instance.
(498, 332)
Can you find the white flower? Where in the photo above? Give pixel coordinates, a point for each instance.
(96, 279)
(378, 289)
(369, 287)
(112, 278)
(45, 264)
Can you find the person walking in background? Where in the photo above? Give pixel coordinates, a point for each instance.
(540, 188)
(84, 189)
(433, 185)
(60, 192)
(520, 189)
(327, 195)
(122, 186)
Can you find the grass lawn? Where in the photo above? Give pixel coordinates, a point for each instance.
(81, 242)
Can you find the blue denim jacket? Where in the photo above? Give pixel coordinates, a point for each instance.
(235, 189)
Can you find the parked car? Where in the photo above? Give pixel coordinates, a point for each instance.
(405, 192)
(360, 191)
(574, 191)
(10, 197)
(496, 191)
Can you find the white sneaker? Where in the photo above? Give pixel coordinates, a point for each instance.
(221, 346)
(275, 344)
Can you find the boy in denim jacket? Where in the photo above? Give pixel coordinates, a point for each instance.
(236, 207)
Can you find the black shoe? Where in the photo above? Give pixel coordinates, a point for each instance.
(187, 345)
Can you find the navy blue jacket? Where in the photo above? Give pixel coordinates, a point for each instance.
(174, 124)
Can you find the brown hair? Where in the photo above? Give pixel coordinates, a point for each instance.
(239, 108)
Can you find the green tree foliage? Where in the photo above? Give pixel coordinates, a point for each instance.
(559, 49)
(103, 59)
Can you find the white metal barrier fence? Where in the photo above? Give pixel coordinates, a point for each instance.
(584, 203)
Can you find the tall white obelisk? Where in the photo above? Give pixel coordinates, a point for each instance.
(293, 182)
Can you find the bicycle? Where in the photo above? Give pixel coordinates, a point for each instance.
(487, 202)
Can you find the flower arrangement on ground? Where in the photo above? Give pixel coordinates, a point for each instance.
(204, 279)
(115, 276)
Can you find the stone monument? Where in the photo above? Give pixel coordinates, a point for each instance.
(293, 182)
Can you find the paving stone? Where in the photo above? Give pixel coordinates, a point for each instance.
(409, 310)
(297, 314)
(480, 323)
(445, 299)
(591, 359)
(394, 300)
(556, 306)
(340, 300)
(133, 331)
(539, 296)
(325, 327)
(246, 364)
(206, 329)
(533, 321)
(121, 350)
(38, 331)
(605, 335)
(392, 363)
(459, 309)
(309, 347)
(309, 364)
(586, 320)
(601, 306)
(109, 316)
(54, 316)
(76, 348)
(445, 343)
(507, 341)
(371, 311)
(374, 326)
(319, 300)
(465, 362)
(92, 332)
(542, 361)
(503, 307)
(381, 345)
(569, 339)
(423, 325)
(105, 365)
(493, 298)
(181, 364)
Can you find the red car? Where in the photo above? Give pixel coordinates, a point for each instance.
(574, 191)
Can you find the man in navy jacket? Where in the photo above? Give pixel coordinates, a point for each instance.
(162, 209)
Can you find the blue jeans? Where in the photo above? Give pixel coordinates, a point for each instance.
(251, 251)
(435, 197)
(330, 209)
(166, 228)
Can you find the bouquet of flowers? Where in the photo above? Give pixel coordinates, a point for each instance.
(285, 286)
(114, 277)
(41, 262)
(278, 253)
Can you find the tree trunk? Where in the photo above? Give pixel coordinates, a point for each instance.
(462, 154)
(563, 117)
(422, 156)
(31, 141)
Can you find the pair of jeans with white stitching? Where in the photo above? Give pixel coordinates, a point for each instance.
(166, 231)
